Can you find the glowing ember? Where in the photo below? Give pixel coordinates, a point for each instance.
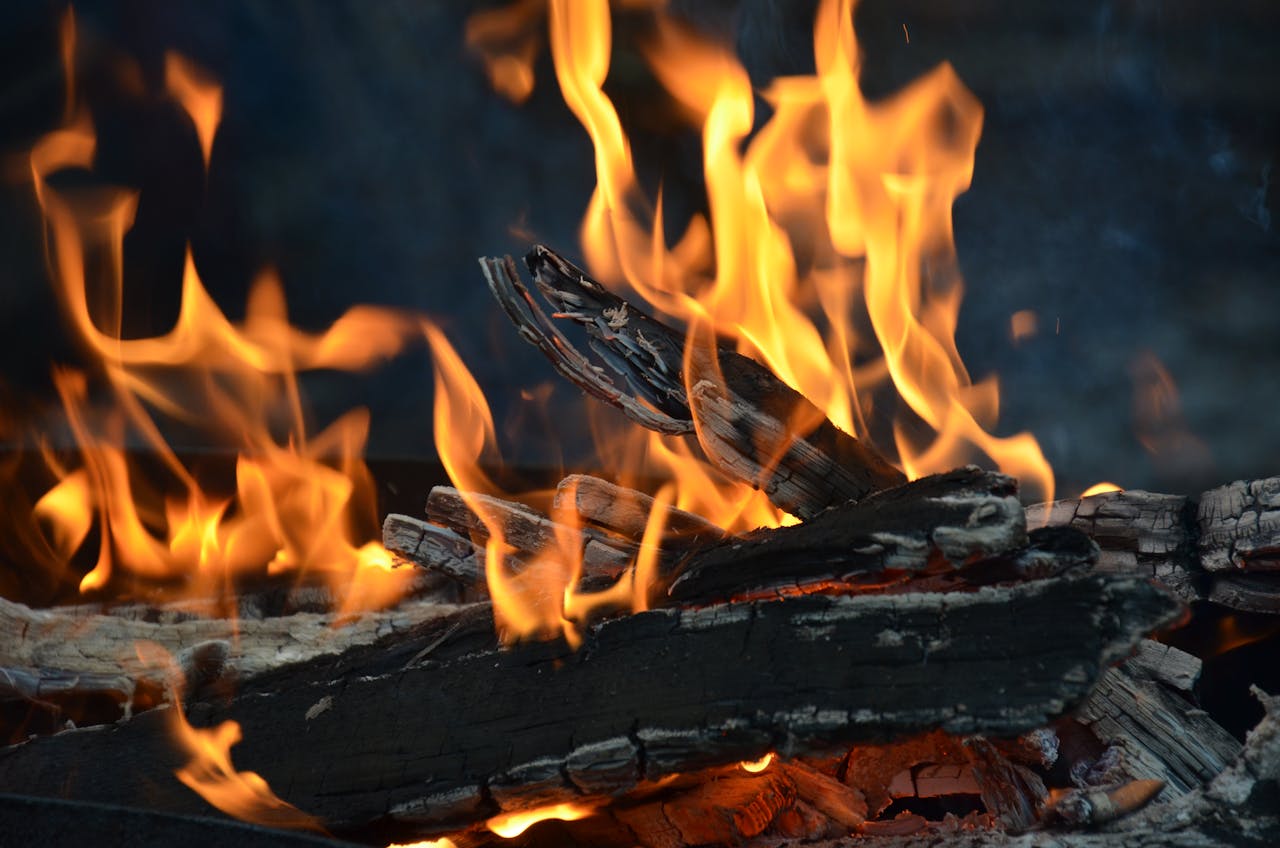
(757, 766)
(509, 825)
(442, 842)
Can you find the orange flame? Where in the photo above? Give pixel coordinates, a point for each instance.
(302, 503)
(200, 96)
(757, 766)
(210, 772)
(1100, 488)
(510, 825)
(865, 188)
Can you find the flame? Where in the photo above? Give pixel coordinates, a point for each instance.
(864, 190)
(1158, 419)
(303, 502)
(200, 96)
(442, 842)
(1100, 488)
(511, 825)
(1236, 631)
(1023, 324)
(757, 766)
(210, 772)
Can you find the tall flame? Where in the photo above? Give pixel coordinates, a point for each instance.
(302, 502)
(862, 190)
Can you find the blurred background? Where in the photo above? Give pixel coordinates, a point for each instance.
(1124, 195)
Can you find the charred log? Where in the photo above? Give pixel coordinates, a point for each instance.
(753, 426)
(433, 723)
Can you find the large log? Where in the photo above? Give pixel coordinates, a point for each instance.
(437, 724)
(755, 427)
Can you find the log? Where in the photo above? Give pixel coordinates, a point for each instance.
(1144, 706)
(950, 519)
(434, 547)
(1239, 526)
(755, 427)
(1223, 546)
(626, 511)
(527, 530)
(435, 724)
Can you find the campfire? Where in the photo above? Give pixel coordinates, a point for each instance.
(805, 596)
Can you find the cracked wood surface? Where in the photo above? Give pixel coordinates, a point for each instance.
(438, 725)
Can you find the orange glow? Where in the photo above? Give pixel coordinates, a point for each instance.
(442, 842)
(1236, 632)
(210, 773)
(200, 96)
(506, 40)
(303, 502)
(864, 188)
(1158, 419)
(1100, 488)
(757, 766)
(510, 825)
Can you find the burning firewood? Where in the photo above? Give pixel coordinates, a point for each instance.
(757, 429)
(627, 511)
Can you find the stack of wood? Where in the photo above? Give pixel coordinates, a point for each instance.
(918, 658)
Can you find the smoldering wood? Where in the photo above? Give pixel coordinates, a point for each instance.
(626, 511)
(431, 546)
(724, 810)
(1010, 791)
(756, 428)
(527, 530)
(427, 725)
(950, 518)
(1145, 707)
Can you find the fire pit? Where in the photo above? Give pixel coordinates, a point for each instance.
(802, 594)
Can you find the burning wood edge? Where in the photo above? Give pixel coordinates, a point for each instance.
(1223, 546)
(433, 724)
(755, 427)
(626, 511)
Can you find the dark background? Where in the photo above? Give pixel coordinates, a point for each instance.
(1124, 191)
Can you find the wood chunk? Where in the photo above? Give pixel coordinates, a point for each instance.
(1162, 735)
(1239, 526)
(626, 511)
(434, 547)
(1084, 807)
(1011, 792)
(417, 726)
(755, 427)
(527, 530)
(840, 803)
(950, 518)
(720, 811)
(1138, 533)
(872, 768)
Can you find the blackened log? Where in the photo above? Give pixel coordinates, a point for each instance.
(1239, 526)
(756, 428)
(951, 518)
(425, 726)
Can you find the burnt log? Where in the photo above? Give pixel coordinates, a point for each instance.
(626, 511)
(945, 519)
(753, 426)
(435, 724)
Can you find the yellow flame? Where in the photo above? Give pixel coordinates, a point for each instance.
(1100, 488)
(510, 825)
(303, 501)
(865, 188)
(757, 766)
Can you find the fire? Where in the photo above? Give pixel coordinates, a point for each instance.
(510, 825)
(210, 772)
(1100, 488)
(757, 766)
(862, 190)
(303, 502)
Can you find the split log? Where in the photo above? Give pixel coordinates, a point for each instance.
(436, 724)
(626, 511)
(527, 530)
(434, 547)
(1144, 707)
(951, 518)
(753, 426)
